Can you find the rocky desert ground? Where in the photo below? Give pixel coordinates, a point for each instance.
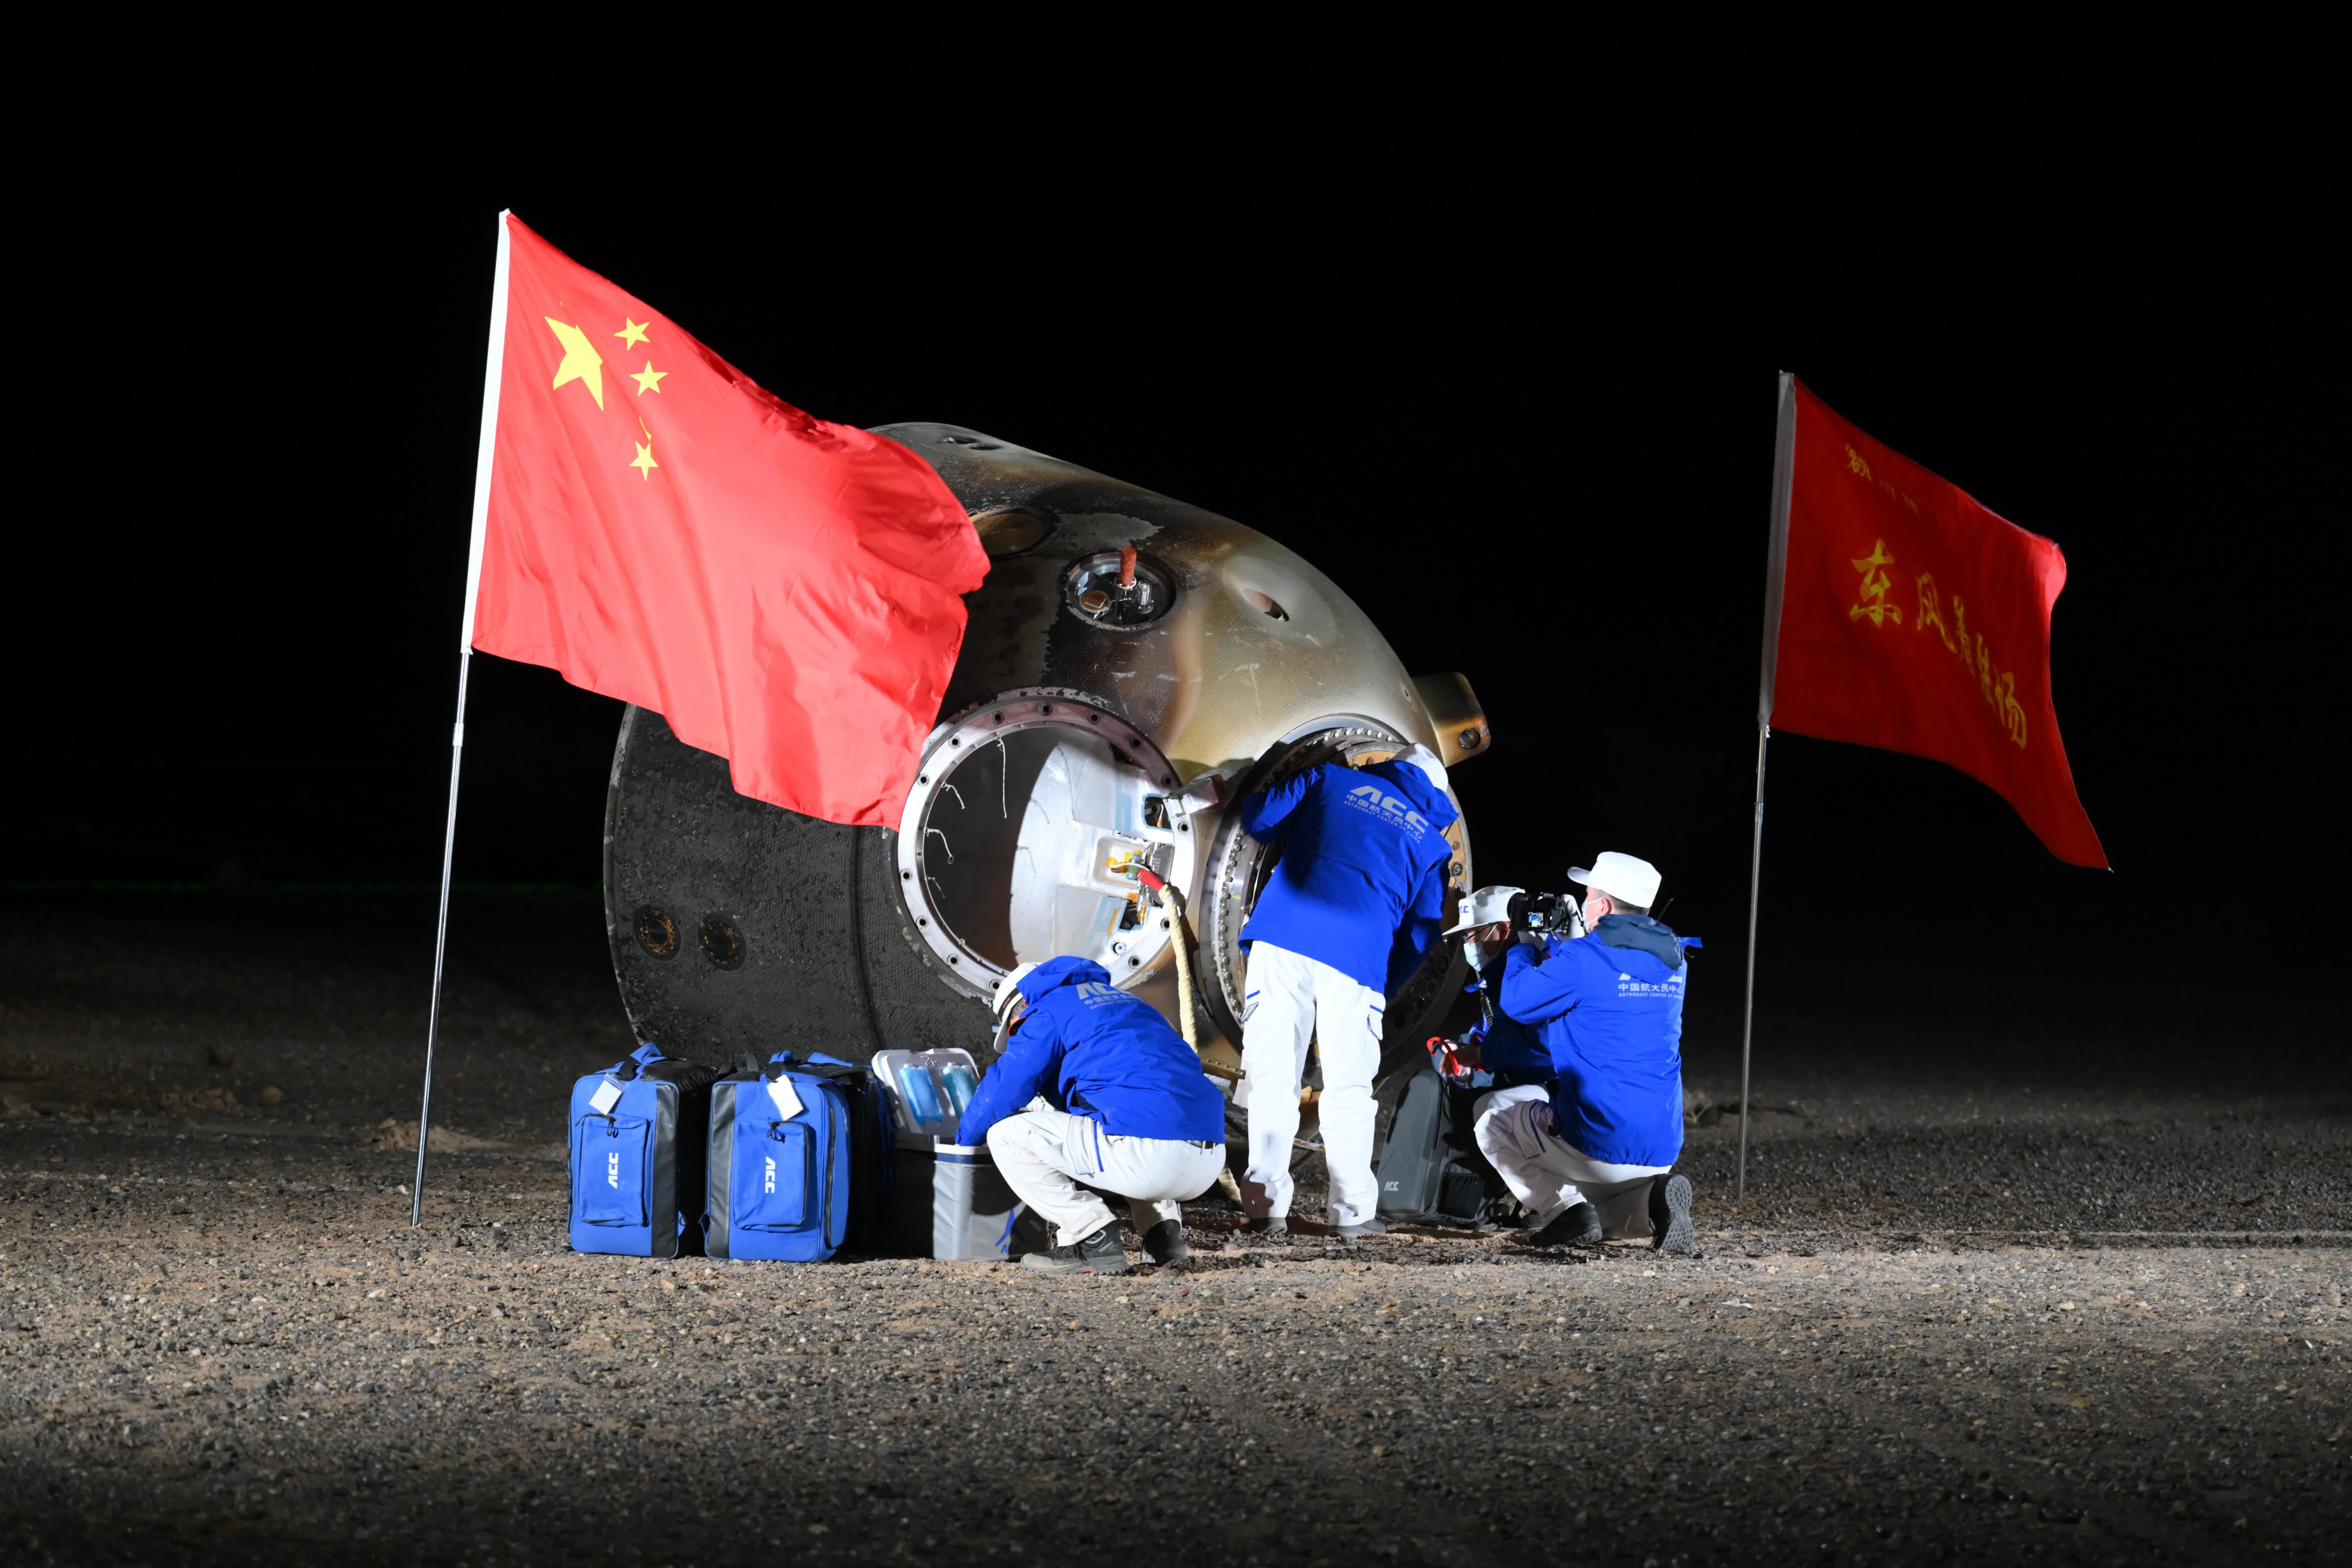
(2062, 1297)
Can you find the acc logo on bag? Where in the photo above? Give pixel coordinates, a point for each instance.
(772, 1172)
(613, 1170)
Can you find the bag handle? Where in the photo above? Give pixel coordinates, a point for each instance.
(637, 1062)
(835, 1072)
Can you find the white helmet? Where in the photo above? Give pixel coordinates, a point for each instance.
(1484, 907)
(1424, 759)
(1009, 987)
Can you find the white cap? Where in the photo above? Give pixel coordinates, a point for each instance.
(1009, 987)
(1484, 907)
(1625, 877)
(1426, 760)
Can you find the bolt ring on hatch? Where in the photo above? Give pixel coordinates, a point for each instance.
(987, 887)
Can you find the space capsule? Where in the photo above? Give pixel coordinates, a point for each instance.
(1131, 667)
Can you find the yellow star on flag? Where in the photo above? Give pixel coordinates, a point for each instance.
(644, 463)
(648, 379)
(581, 361)
(631, 334)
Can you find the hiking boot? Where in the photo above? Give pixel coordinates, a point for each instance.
(1098, 1253)
(1277, 1225)
(1164, 1242)
(1670, 1220)
(1356, 1232)
(1580, 1225)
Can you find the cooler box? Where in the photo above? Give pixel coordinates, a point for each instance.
(951, 1202)
(975, 1218)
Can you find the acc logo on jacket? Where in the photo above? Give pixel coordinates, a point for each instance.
(1093, 993)
(1368, 798)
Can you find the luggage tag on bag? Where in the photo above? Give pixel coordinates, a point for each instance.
(788, 1104)
(608, 1095)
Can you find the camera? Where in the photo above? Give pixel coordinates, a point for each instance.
(1547, 914)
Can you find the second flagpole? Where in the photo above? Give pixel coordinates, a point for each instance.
(492, 371)
(1784, 471)
(1747, 1008)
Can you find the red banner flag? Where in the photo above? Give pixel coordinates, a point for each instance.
(783, 591)
(1902, 614)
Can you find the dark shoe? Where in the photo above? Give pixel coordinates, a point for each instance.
(1580, 1227)
(1501, 1214)
(1274, 1227)
(1098, 1253)
(1357, 1232)
(1164, 1242)
(1670, 1220)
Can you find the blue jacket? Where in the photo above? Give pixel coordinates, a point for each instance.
(1097, 1052)
(1513, 1052)
(1362, 881)
(1609, 1006)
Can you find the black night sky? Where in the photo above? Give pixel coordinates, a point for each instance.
(1516, 397)
(2028, 1244)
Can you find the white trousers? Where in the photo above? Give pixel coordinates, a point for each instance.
(1551, 1176)
(1292, 997)
(1043, 1155)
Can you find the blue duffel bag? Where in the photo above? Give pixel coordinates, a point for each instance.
(640, 1133)
(798, 1161)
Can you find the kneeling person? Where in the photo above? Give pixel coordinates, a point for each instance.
(1095, 1087)
(1594, 1157)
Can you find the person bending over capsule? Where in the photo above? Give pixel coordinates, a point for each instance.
(1094, 1087)
(1594, 1157)
(1353, 905)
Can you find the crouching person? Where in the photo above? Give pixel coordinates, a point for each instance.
(1594, 1157)
(1093, 1087)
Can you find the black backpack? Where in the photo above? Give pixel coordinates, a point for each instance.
(1431, 1173)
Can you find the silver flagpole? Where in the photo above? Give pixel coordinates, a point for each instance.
(482, 456)
(440, 944)
(1748, 1018)
(1784, 460)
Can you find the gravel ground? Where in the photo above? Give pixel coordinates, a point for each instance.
(2036, 1306)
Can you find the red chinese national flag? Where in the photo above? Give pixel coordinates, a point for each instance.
(1903, 615)
(783, 591)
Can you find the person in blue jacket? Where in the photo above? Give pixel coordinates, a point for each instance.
(1352, 907)
(1094, 1087)
(1511, 1053)
(1594, 1158)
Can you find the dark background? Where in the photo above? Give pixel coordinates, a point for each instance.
(1511, 385)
